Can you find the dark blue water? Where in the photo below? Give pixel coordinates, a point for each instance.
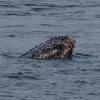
(25, 24)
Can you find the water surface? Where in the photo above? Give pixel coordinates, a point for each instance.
(25, 24)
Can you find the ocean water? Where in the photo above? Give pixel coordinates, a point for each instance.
(25, 24)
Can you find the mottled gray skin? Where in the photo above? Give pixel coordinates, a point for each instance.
(55, 48)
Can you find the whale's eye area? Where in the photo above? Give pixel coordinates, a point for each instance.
(59, 47)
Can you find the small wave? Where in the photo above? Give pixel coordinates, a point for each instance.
(82, 6)
(10, 26)
(17, 13)
(80, 82)
(65, 72)
(84, 55)
(9, 55)
(21, 75)
(43, 5)
(49, 25)
(93, 93)
(11, 36)
(97, 16)
(39, 9)
(8, 6)
(96, 70)
(61, 6)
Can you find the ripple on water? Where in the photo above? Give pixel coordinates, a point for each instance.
(24, 24)
(21, 75)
